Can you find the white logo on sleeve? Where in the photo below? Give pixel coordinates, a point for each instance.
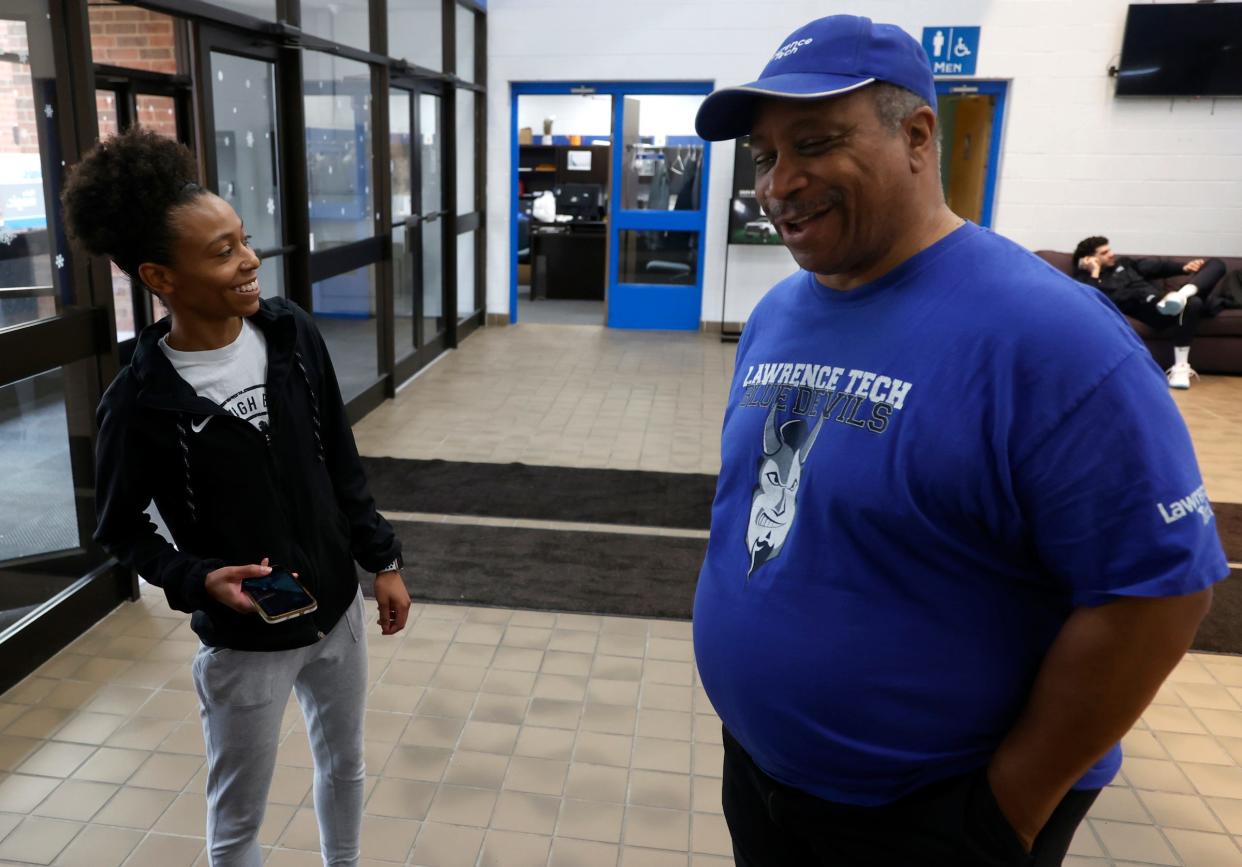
(1194, 502)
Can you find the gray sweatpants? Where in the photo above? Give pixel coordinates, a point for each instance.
(242, 695)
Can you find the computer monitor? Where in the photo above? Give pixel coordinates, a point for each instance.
(580, 201)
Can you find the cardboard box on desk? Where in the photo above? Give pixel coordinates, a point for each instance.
(526, 136)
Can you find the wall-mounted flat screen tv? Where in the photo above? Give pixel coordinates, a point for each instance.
(1182, 49)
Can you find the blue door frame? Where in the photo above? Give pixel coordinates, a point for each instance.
(1000, 90)
(630, 305)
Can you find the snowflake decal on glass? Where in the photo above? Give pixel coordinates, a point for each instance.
(271, 205)
(48, 111)
(7, 237)
(219, 75)
(249, 139)
(60, 261)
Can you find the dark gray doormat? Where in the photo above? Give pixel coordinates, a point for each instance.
(677, 500)
(549, 570)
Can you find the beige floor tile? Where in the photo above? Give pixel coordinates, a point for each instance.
(38, 722)
(591, 820)
(708, 760)
(609, 719)
(507, 709)
(1085, 843)
(536, 776)
(1223, 723)
(116, 699)
(510, 849)
(111, 765)
(401, 799)
(76, 800)
(38, 840)
(485, 737)
(1198, 849)
(616, 692)
(70, 695)
(1133, 842)
(302, 832)
(1209, 696)
(1157, 775)
(276, 818)
(446, 846)
(710, 835)
(141, 734)
(56, 759)
(656, 754)
(545, 743)
(186, 739)
(1180, 811)
(21, 794)
(1121, 804)
(15, 750)
(99, 846)
(480, 770)
(135, 808)
(553, 713)
(161, 850)
(1229, 811)
(459, 805)
(705, 795)
(418, 763)
(657, 829)
(597, 748)
(453, 703)
(432, 731)
(580, 853)
(290, 785)
(1194, 748)
(388, 839)
(659, 789)
(521, 811)
(185, 817)
(1172, 719)
(635, 857)
(596, 783)
(293, 858)
(166, 771)
(1215, 781)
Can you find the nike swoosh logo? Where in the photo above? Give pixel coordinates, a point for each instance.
(198, 428)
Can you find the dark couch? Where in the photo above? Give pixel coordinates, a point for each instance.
(1218, 343)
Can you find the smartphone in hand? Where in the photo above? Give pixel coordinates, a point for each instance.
(279, 595)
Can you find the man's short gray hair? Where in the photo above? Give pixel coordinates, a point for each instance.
(893, 104)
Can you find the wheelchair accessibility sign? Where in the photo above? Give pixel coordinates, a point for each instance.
(951, 50)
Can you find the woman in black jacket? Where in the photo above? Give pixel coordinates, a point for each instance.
(230, 419)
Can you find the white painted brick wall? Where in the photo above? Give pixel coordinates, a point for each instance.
(1155, 175)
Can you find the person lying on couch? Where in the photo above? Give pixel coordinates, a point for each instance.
(1128, 284)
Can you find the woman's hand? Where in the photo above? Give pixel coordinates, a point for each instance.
(225, 585)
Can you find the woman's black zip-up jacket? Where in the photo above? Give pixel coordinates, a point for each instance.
(231, 495)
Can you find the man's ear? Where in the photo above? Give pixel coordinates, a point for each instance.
(921, 134)
(158, 278)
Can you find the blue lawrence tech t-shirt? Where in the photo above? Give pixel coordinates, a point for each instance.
(921, 478)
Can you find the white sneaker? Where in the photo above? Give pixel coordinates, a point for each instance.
(1171, 304)
(1179, 375)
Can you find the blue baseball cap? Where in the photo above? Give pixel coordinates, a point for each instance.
(828, 57)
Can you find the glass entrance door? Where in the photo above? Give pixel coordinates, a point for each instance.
(416, 120)
(659, 189)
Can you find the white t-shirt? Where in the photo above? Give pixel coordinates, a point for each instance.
(234, 376)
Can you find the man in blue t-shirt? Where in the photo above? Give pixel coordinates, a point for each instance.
(959, 537)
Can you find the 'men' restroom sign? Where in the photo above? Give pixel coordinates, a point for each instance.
(951, 50)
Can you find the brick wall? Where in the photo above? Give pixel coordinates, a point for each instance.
(18, 132)
(136, 39)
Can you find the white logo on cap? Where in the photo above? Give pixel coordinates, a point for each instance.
(792, 48)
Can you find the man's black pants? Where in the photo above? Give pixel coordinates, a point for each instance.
(1180, 329)
(954, 823)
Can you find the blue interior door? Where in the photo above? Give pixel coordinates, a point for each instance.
(657, 213)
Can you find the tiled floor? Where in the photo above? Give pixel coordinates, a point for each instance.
(591, 397)
(513, 738)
